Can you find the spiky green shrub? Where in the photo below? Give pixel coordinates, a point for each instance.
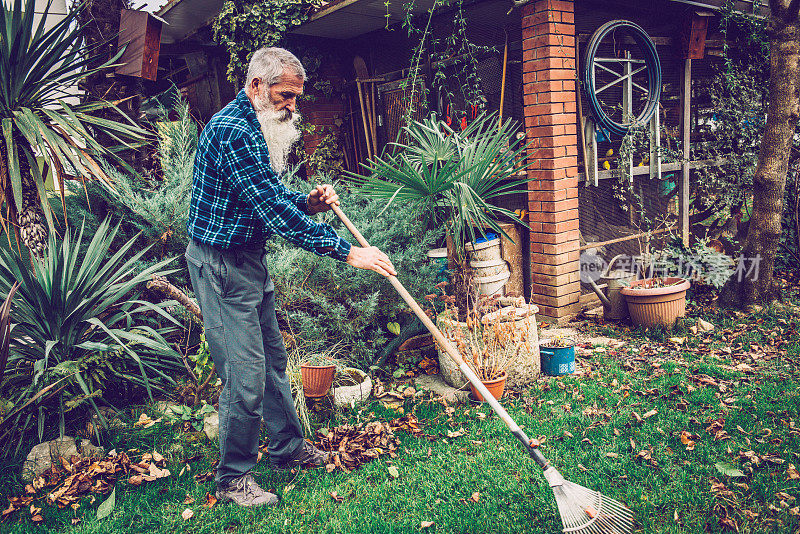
(325, 301)
(78, 331)
(155, 206)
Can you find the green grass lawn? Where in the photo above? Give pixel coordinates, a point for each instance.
(616, 427)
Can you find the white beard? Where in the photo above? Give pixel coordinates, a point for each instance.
(279, 134)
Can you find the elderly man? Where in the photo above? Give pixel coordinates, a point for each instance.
(238, 201)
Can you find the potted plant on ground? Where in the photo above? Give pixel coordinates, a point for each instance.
(452, 176)
(491, 342)
(317, 372)
(657, 300)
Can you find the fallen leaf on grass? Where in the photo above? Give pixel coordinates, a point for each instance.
(475, 497)
(612, 455)
(728, 469)
(211, 500)
(651, 413)
(749, 514)
(791, 473)
(686, 439)
(145, 421)
(458, 433)
(335, 496)
(715, 428)
(158, 473)
(729, 523)
(107, 506)
(636, 417)
(426, 524)
(647, 456)
(187, 514)
(393, 471)
(409, 423)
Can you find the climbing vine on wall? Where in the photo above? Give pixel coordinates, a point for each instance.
(244, 27)
(453, 58)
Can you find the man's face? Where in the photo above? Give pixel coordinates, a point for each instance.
(282, 95)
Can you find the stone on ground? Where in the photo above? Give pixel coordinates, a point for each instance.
(704, 326)
(211, 425)
(43, 455)
(437, 385)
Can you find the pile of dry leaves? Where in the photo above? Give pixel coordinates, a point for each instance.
(351, 446)
(67, 483)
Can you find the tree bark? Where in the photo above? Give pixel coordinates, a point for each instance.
(753, 282)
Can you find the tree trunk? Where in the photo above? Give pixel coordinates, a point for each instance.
(753, 281)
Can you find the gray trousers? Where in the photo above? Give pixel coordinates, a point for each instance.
(237, 298)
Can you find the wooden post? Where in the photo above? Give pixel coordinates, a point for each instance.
(686, 127)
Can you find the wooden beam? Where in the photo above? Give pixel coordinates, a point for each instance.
(626, 238)
(686, 127)
(645, 169)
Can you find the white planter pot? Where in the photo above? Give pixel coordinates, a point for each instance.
(352, 395)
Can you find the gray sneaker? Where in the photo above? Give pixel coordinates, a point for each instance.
(306, 456)
(244, 491)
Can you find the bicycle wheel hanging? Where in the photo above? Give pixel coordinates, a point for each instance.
(615, 64)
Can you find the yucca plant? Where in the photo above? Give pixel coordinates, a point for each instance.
(74, 315)
(37, 68)
(451, 175)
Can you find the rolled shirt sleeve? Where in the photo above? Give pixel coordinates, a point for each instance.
(282, 211)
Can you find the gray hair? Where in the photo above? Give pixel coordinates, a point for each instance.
(268, 65)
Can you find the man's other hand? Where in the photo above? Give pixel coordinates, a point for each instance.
(321, 199)
(371, 258)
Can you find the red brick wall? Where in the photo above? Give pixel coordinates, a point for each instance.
(548, 66)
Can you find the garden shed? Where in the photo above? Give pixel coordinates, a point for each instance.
(587, 188)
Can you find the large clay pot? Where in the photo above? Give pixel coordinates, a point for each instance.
(528, 365)
(317, 379)
(496, 387)
(449, 369)
(657, 305)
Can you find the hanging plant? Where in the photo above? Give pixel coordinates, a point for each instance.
(243, 28)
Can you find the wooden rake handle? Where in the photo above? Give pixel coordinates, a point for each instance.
(445, 345)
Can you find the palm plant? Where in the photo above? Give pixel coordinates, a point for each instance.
(37, 67)
(451, 175)
(78, 332)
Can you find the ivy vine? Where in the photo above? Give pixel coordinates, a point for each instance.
(244, 27)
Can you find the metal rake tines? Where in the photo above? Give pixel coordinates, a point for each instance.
(584, 511)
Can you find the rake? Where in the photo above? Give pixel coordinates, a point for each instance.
(582, 511)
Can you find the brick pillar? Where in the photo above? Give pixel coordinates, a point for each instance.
(548, 66)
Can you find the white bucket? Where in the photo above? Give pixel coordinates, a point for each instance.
(485, 268)
(493, 285)
(488, 250)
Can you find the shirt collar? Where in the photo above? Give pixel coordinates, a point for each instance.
(246, 107)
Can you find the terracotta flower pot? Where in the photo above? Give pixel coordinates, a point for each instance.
(317, 379)
(657, 305)
(496, 387)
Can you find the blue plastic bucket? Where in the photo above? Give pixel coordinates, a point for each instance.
(557, 361)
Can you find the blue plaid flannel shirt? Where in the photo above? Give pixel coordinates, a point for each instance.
(238, 199)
